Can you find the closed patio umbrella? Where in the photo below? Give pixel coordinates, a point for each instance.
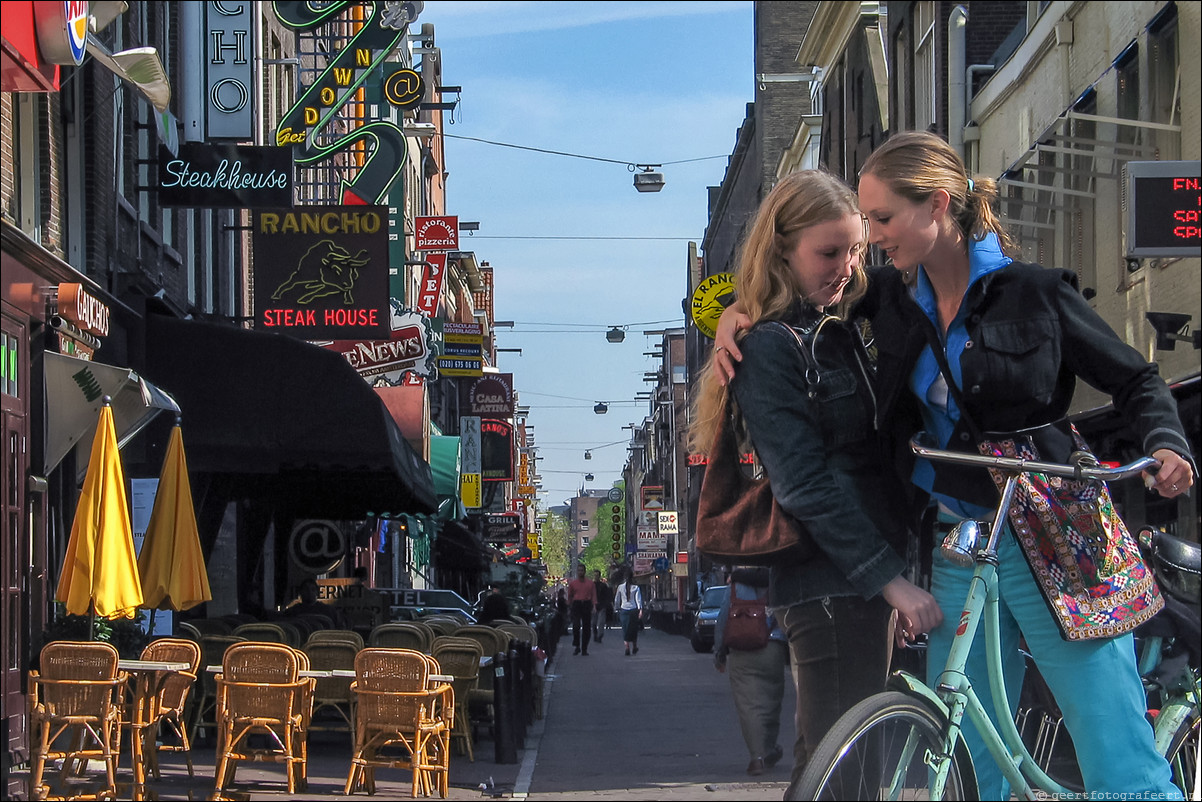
(171, 563)
(100, 571)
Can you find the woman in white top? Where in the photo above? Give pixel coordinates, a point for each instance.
(628, 598)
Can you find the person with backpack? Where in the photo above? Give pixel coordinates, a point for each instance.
(754, 655)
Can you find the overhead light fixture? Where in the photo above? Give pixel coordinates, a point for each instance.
(649, 180)
(420, 130)
(615, 334)
(601, 408)
(141, 67)
(588, 477)
(588, 455)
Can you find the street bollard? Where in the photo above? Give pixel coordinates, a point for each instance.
(526, 659)
(504, 747)
(515, 699)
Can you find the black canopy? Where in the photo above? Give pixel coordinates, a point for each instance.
(290, 419)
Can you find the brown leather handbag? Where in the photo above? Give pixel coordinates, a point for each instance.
(738, 519)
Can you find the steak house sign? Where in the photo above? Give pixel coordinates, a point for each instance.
(321, 272)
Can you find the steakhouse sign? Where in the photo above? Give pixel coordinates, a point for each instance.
(321, 272)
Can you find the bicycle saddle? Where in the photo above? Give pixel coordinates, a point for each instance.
(1176, 563)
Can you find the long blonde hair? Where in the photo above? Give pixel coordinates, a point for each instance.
(916, 163)
(767, 287)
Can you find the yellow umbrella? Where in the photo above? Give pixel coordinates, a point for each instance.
(100, 572)
(171, 562)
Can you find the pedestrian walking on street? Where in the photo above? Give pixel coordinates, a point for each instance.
(605, 603)
(629, 600)
(757, 676)
(582, 598)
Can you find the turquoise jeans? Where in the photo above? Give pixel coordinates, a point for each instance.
(1096, 683)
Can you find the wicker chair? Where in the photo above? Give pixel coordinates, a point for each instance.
(333, 693)
(460, 657)
(348, 635)
(522, 632)
(269, 632)
(259, 691)
(398, 710)
(402, 635)
(481, 698)
(212, 626)
(442, 624)
(77, 692)
(173, 693)
(204, 704)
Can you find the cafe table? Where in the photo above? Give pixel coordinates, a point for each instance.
(148, 676)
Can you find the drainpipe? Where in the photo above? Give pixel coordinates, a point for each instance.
(956, 77)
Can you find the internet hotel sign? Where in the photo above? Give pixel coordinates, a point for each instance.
(321, 272)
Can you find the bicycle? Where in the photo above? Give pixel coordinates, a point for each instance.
(906, 742)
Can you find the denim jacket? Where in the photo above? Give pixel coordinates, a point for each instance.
(1030, 336)
(818, 445)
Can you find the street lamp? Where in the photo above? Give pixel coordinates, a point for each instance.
(601, 408)
(649, 180)
(615, 334)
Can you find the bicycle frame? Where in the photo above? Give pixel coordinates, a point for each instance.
(953, 687)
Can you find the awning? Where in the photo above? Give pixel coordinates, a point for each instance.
(74, 389)
(293, 420)
(458, 547)
(444, 463)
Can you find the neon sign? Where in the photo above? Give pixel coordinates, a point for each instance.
(1164, 203)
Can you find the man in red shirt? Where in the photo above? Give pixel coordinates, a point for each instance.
(582, 596)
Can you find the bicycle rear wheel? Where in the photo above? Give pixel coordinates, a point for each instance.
(882, 749)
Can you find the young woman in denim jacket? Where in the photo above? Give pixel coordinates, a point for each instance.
(801, 266)
(1017, 336)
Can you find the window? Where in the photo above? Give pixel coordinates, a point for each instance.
(1164, 75)
(27, 172)
(924, 66)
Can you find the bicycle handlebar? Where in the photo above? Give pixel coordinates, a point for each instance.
(1087, 468)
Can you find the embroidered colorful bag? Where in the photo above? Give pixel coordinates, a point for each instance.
(1087, 564)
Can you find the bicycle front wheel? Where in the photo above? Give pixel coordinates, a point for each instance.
(885, 748)
(1183, 754)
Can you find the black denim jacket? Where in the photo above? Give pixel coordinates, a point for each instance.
(819, 447)
(1032, 336)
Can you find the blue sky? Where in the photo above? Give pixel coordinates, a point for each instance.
(644, 82)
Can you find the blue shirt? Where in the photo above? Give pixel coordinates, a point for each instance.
(939, 411)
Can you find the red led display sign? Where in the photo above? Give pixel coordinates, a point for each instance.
(1164, 203)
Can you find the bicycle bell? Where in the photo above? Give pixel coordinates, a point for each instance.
(962, 543)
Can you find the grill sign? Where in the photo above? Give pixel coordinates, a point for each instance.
(321, 272)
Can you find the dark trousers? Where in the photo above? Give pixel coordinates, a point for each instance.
(582, 624)
(839, 655)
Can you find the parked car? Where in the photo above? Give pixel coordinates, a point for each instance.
(706, 619)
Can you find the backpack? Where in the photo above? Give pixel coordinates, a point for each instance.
(746, 624)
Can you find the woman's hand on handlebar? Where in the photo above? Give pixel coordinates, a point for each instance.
(917, 610)
(726, 352)
(1174, 477)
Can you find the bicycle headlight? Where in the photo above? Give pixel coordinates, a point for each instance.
(962, 543)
